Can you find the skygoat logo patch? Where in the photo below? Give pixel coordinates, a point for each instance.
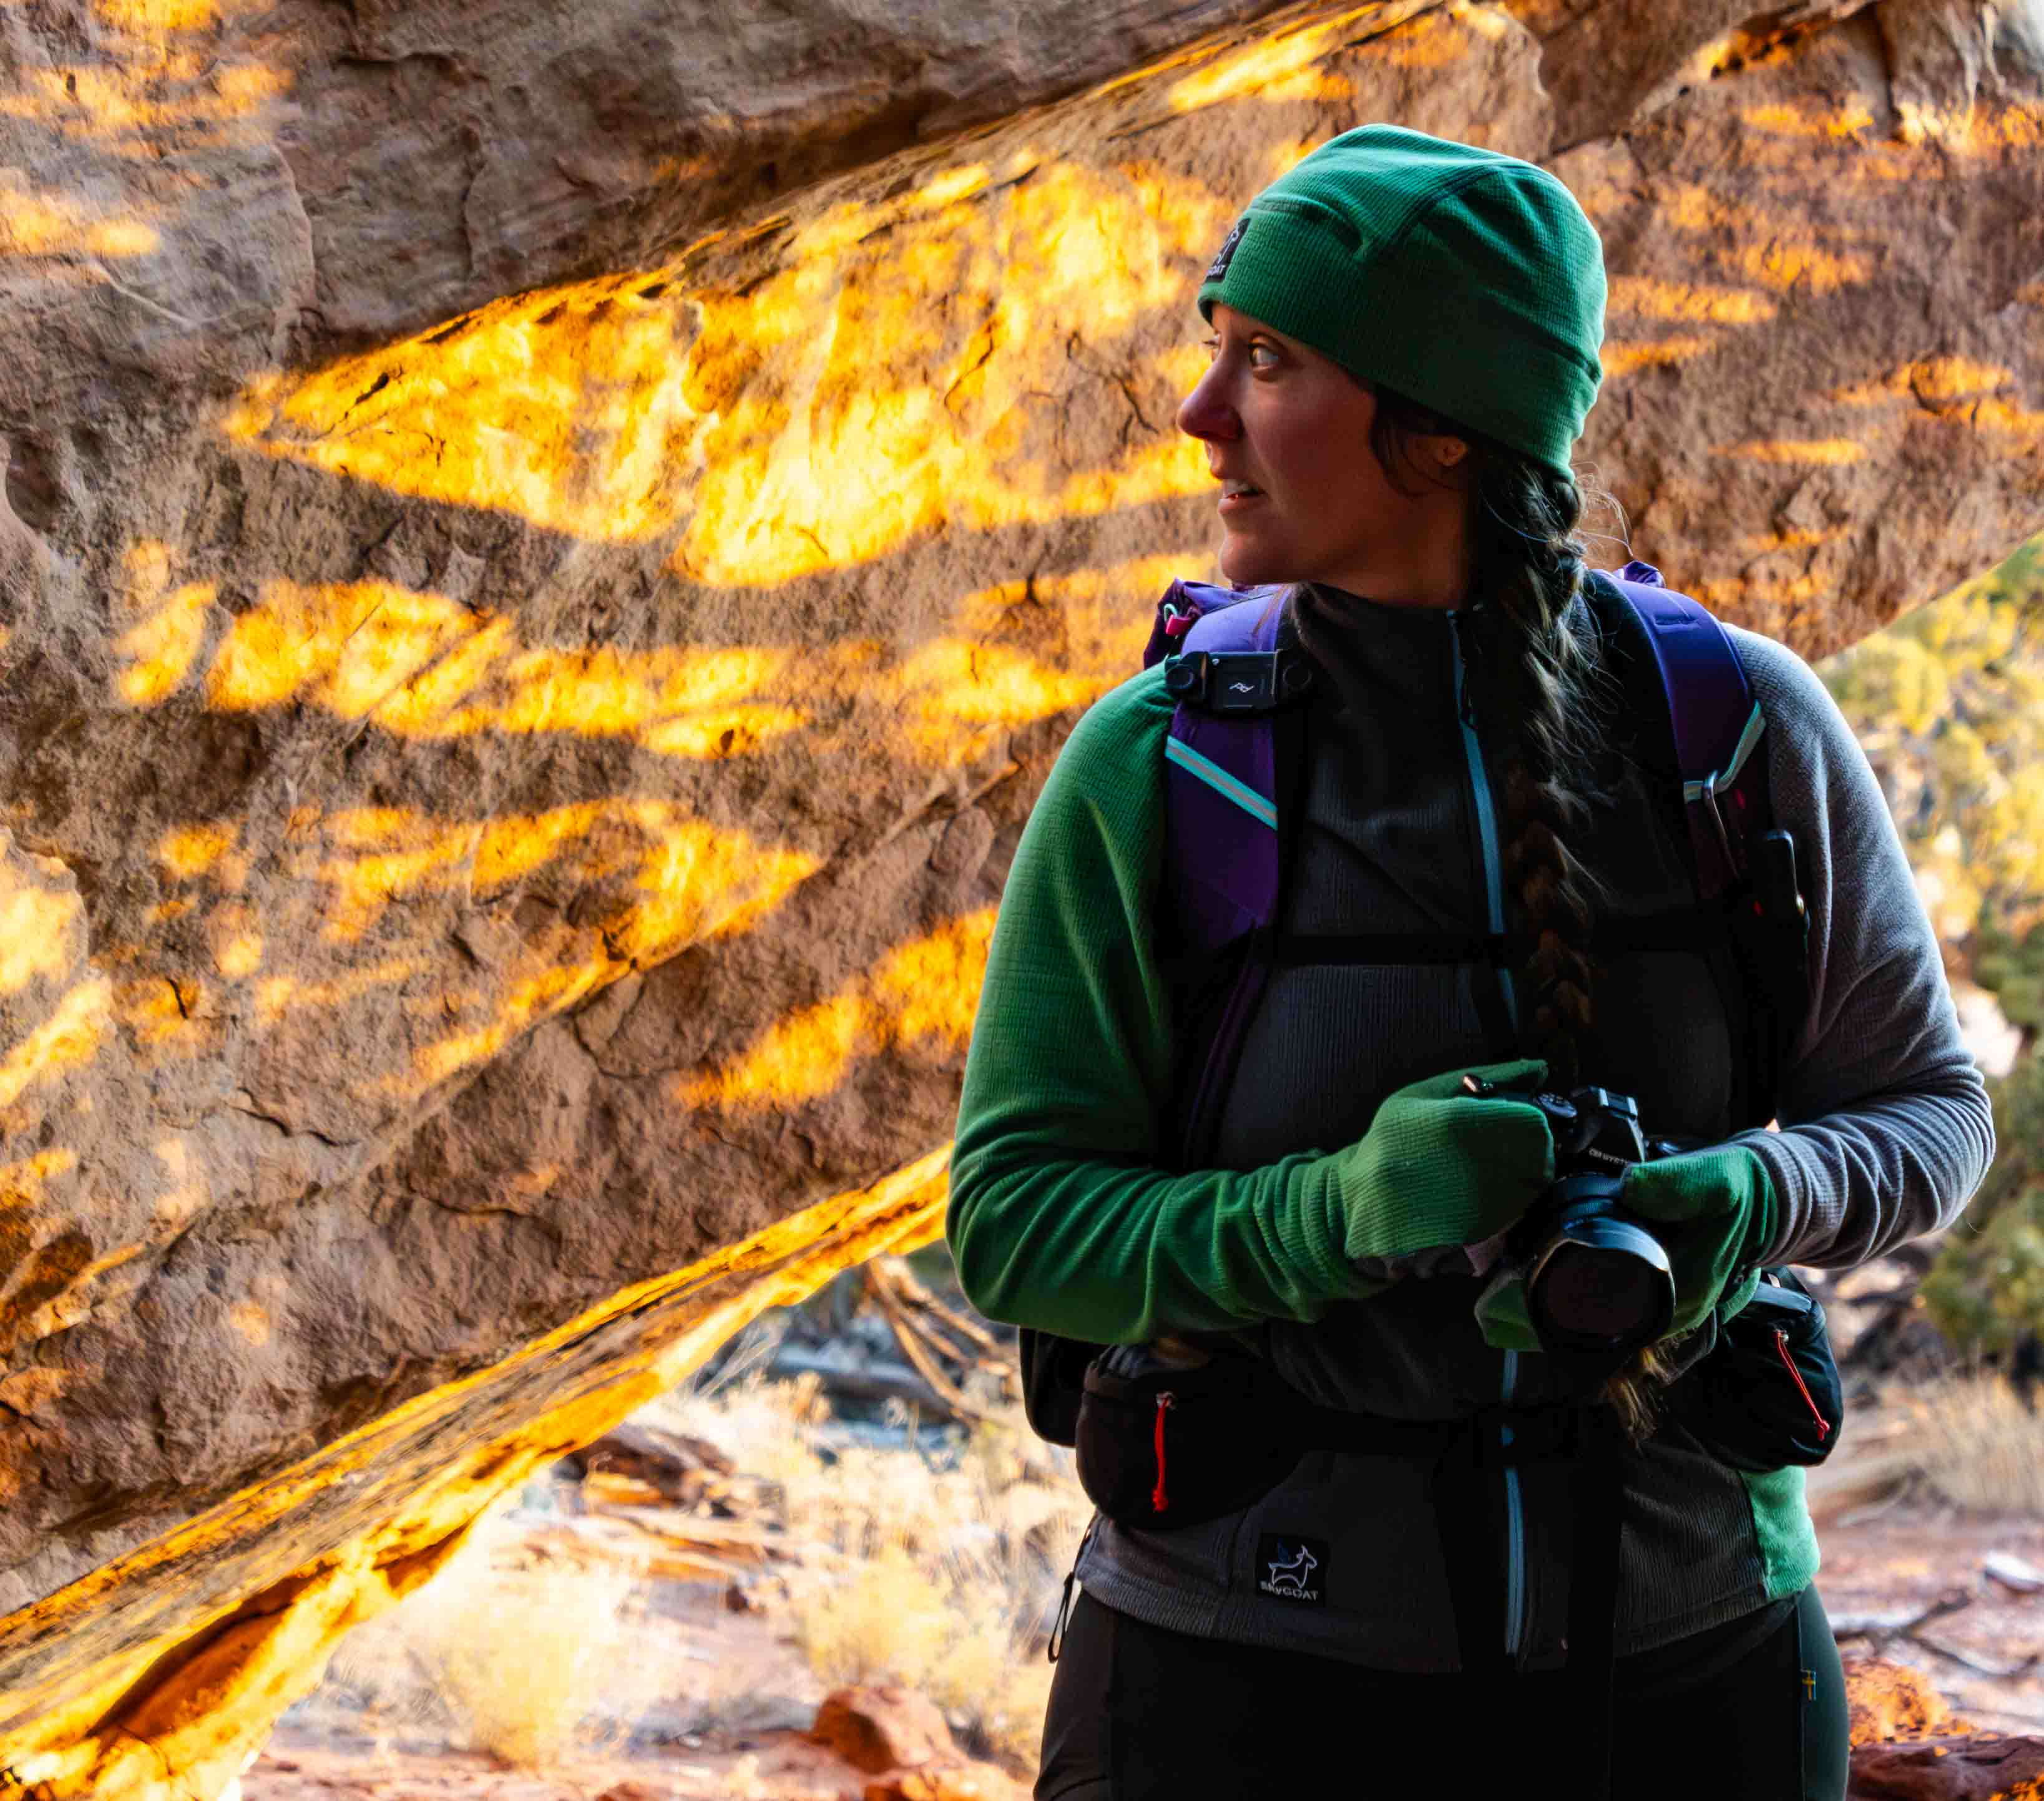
(1292, 1569)
(1218, 268)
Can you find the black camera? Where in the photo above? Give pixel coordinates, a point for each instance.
(1597, 1281)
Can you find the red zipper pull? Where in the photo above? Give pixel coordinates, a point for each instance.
(1780, 1344)
(1159, 1500)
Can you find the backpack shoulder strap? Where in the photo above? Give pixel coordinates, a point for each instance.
(1221, 785)
(1706, 736)
(1714, 724)
(1232, 749)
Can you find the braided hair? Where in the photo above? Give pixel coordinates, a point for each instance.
(1528, 566)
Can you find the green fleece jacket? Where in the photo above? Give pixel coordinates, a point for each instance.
(1063, 1215)
(1061, 1218)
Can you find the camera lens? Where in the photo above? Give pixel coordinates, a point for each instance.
(1607, 1296)
(1601, 1282)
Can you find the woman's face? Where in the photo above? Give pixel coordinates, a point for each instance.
(1303, 496)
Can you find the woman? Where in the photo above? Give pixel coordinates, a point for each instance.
(1404, 346)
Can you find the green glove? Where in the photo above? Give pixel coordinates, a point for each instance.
(1440, 1170)
(1714, 1213)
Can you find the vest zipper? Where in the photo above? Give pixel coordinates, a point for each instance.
(1514, 1529)
(1493, 886)
(1486, 811)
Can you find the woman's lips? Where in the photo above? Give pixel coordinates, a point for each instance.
(1235, 503)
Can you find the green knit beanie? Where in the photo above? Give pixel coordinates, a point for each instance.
(1469, 282)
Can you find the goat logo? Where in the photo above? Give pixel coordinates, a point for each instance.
(1218, 268)
(1291, 1568)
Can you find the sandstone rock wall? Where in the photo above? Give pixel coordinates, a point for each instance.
(502, 804)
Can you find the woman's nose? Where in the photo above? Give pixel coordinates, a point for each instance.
(1206, 411)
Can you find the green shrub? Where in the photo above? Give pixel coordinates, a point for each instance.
(1987, 1286)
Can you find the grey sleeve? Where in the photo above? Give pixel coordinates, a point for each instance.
(1885, 1126)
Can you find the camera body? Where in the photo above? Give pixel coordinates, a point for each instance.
(1597, 1281)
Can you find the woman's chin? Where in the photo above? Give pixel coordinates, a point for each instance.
(1249, 565)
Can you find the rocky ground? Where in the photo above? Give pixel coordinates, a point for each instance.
(1983, 1661)
(666, 1616)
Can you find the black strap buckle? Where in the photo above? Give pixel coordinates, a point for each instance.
(1237, 681)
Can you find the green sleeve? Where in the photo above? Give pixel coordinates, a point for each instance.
(1061, 1216)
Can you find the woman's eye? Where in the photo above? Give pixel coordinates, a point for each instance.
(1212, 346)
(1264, 352)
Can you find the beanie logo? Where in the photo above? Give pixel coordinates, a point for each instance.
(1217, 270)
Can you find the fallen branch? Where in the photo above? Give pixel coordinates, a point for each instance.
(968, 1331)
(874, 1382)
(1900, 1624)
(914, 1349)
(1979, 1666)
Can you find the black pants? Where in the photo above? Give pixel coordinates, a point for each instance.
(1137, 1711)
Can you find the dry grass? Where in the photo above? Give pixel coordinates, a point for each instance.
(952, 1569)
(513, 1660)
(1979, 1446)
(938, 1568)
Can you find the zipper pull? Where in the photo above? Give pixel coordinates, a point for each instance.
(1466, 654)
(1159, 1500)
(1781, 1346)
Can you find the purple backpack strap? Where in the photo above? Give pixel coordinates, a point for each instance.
(1222, 848)
(1716, 723)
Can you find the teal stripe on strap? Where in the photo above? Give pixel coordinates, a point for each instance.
(1178, 750)
(1747, 740)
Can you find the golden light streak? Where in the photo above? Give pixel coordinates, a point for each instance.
(37, 1171)
(1785, 262)
(426, 667)
(343, 646)
(1758, 543)
(531, 998)
(1811, 119)
(1799, 449)
(797, 1059)
(1782, 260)
(46, 224)
(1434, 40)
(561, 407)
(931, 987)
(159, 651)
(1652, 297)
(151, 1009)
(1280, 68)
(669, 879)
(189, 851)
(924, 992)
(234, 937)
(1950, 379)
(35, 928)
(125, 105)
(158, 15)
(1620, 359)
(276, 995)
(818, 420)
(955, 684)
(68, 1038)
